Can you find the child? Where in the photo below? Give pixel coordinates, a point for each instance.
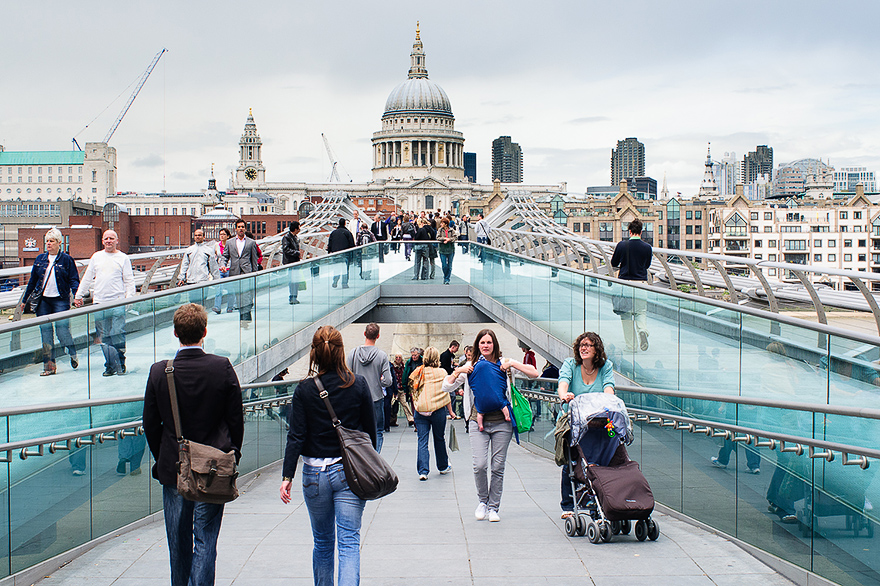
(489, 385)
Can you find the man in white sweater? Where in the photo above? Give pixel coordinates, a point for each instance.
(110, 276)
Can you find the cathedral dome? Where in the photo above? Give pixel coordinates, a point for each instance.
(417, 95)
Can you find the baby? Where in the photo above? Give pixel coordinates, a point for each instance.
(489, 386)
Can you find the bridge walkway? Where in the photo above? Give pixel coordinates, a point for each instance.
(426, 534)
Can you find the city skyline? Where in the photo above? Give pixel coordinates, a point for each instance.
(306, 71)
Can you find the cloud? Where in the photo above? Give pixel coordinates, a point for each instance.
(589, 120)
(152, 160)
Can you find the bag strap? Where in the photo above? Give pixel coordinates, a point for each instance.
(324, 395)
(172, 393)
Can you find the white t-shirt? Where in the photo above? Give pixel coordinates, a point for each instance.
(51, 289)
(111, 275)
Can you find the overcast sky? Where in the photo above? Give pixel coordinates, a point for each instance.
(565, 80)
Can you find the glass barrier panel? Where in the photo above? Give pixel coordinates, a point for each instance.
(121, 479)
(4, 514)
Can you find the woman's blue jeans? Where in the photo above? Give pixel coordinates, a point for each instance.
(335, 512)
(434, 423)
(47, 306)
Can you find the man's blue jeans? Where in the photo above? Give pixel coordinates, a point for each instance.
(192, 530)
(334, 511)
(435, 424)
(110, 326)
(379, 413)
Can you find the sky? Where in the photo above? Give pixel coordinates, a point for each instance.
(565, 79)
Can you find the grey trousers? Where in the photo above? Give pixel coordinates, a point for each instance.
(494, 440)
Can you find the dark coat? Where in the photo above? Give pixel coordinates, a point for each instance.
(633, 256)
(311, 431)
(340, 239)
(65, 272)
(209, 398)
(290, 249)
(379, 230)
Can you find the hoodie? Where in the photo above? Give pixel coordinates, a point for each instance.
(372, 364)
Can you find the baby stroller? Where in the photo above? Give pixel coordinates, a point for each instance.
(609, 489)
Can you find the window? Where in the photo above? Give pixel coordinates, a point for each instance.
(847, 258)
(863, 243)
(842, 215)
(155, 211)
(771, 243)
(771, 257)
(817, 258)
(152, 240)
(768, 228)
(689, 244)
(689, 215)
(164, 211)
(832, 243)
(759, 243)
(94, 190)
(754, 215)
(688, 229)
(847, 243)
(173, 211)
(146, 211)
(844, 228)
(759, 256)
(698, 229)
(137, 211)
(94, 176)
(768, 215)
(817, 243)
(576, 227)
(753, 229)
(699, 244)
(857, 215)
(167, 240)
(862, 258)
(832, 258)
(795, 244)
(586, 227)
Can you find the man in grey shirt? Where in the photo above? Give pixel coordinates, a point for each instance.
(372, 364)
(198, 265)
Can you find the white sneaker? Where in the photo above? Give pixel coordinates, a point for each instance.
(447, 471)
(481, 512)
(423, 477)
(493, 516)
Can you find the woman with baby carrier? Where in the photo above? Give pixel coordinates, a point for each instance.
(487, 403)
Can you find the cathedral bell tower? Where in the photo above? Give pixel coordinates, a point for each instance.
(250, 172)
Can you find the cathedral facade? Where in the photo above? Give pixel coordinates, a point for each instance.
(417, 158)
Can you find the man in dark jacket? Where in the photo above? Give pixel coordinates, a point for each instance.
(633, 256)
(209, 399)
(242, 256)
(380, 230)
(341, 239)
(290, 253)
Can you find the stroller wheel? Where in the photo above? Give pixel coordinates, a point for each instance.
(571, 526)
(625, 527)
(641, 530)
(615, 527)
(653, 530)
(605, 531)
(581, 524)
(593, 532)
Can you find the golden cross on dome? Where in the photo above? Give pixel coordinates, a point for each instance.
(417, 30)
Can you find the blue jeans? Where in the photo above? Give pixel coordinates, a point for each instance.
(192, 530)
(753, 459)
(47, 306)
(435, 423)
(379, 414)
(110, 325)
(334, 511)
(446, 265)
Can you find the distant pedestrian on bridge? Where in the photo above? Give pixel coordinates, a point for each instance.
(55, 275)
(198, 265)
(633, 256)
(341, 239)
(243, 257)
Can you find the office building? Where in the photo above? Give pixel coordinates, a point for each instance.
(846, 179)
(627, 160)
(756, 163)
(470, 167)
(507, 163)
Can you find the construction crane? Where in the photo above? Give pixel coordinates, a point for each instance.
(334, 174)
(134, 94)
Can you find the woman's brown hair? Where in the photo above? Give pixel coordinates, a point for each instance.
(496, 350)
(599, 356)
(431, 357)
(328, 353)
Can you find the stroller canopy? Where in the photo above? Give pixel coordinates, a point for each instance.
(588, 406)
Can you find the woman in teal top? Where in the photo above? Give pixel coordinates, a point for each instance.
(589, 371)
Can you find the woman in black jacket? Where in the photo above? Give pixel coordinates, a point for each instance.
(55, 276)
(334, 509)
(422, 251)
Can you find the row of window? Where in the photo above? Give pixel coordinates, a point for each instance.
(15, 210)
(30, 170)
(48, 190)
(40, 179)
(440, 121)
(137, 211)
(843, 215)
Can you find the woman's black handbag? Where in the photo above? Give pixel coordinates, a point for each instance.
(368, 474)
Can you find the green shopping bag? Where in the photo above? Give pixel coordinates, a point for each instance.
(522, 409)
